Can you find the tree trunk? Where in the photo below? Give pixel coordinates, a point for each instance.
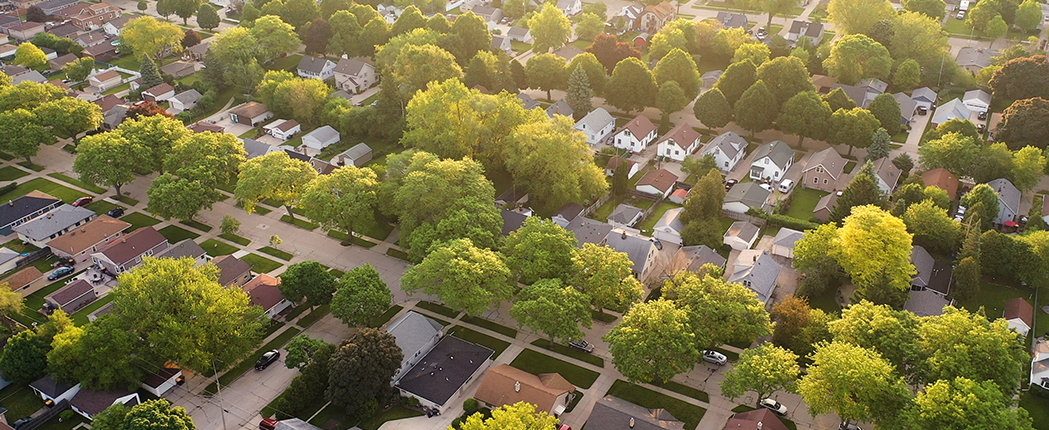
(29, 162)
(800, 139)
(117, 186)
(768, 25)
(850, 150)
(290, 213)
(548, 96)
(551, 340)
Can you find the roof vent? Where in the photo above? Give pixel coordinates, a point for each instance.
(517, 388)
(49, 216)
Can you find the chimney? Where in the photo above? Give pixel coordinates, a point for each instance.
(624, 235)
(755, 258)
(759, 425)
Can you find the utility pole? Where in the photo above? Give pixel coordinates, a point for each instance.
(218, 386)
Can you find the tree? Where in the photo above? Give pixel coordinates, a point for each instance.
(678, 66)
(705, 205)
(23, 133)
(713, 109)
(719, 311)
(514, 8)
(273, 176)
(764, 370)
(546, 72)
(890, 333)
(609, 51)
(854, 382)
(980, 15)
(596, 75)
(35, 14)
(470, 218)
(885, 108)
(158, 415)
(463, 276)
(1028, 15)
(978, 404)
(955, 341)
(853, 127)
(907, 75)
(213, 159)
(150, 73)
(540, 249)
(653, 342)
(179, 198)
(308, 280)
(903, 162)
(550, 28)
(753, 112)
(318, 35)
(934, 9)
(1028, 167)
(996, 28)
(410, 19)
(207, 17)
(10, 301)
(857, 16)
(374, 33)
(539, 149)
(837, 99)
(776, 7)
(25, 357)
(875, 250)
(361, 370)
(814, 257)
(78, 70)
(275, 37)
(1022, 78)
(879, 147)
(556, 310)
(30, 56)
(605, 275)
(671, 99)
(184, 8)
(229, 225)
(520, 415)
(147, 36)
(430, 188)
(727, 40)
(108, 159)
(474, 33)
(857, 56)
(967, 279)
(785, 77)
(362, 296)
(981, 204)
(1020, 126)
(953, 151)
(668, 38)
(579, 96)
(588, 26)
(631, 87)
(346, 32)
(343, 199)
(99, 356)
(806, 115)
(301, 351)
(932, 227)
(417, 66)
(798, 327)
(487, 70)
(736, 80)
(112, 418)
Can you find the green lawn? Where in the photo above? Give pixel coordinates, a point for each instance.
(20, 401)
(1038, 407)
(299, 222)
(571, 352)
(535, 362)
(125, 200)
(261, 264)
(239, 240)
(101, 206)
(64, 193)
(490, 325)
(92, 188)
(656, 214)
(36, 300)
(992, 298)
(355, 240)
(438, 309)
(139, 220)
(481, 339)
(338, 419)
(825, 302)
(288, 63)
(317, 313)
(803, 202)
(216, 248)
(196, 224)
(685, 390)
(175, 234)
(688, 413)
(286, 256)
(394, 413)
(16, 245)
(396, 253)
(33, 167)
(10, 173)
(80, 317)
(385, 317)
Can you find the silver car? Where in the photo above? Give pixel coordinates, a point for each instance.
(774, 406)
(714, 357)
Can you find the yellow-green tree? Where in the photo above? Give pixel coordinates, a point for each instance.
(875, 251)
(273, 176)
(147, 36)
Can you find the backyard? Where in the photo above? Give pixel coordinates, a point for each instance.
(803, 202)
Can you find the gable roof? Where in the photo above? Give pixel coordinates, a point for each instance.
(517, 32)
(108, 102)
(923, 263)
(943, 179)
(263, 291)
(976, 57)
(412, 331)
(93, 402)
(568, 52)
(953, 109)
(823, 81)
(637, 248)
(661, 179)
(88, 234)
(787, 237)
(21, 207)
(190, 96)
(756, 269)
(750, 420)
(698, 255)
(832, 162)
(671, 218)
(528, 101)
(924, 94)
(887, 171)
(559, 108)
(826, 202)
(54, 221)
(613, 413)
(311, 64)
(230, 268)
(570, 211)
(977, 95)
(160, 89)
(748, 193)
(1019, 308)
(873, 85)
(640, 126)
(587, 230)
(613, 162)
(60, 62)
(506, 385)
(682, 135)
(351, 66)
(249, 110)
(455, 359)
(512, 220)
(778, 151)
(50, 386)
(325, 134)
(662, 10)
(71, 292)
(733, 20)
(856, 93)
(184, 248)
(597, 119)
(133, 245)
(23, 277)
(1007, 193)
(807, 29)
(743, 230)
(729, 143)
(253, 147)
(624, 213)
(32, 76)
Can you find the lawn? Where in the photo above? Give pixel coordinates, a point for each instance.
(1038, 407)
(36, 300)
(571, 352)
(355, 240)
(656, 214)
(216, 248)
(248, 362)
(286, 256)
(139, 220)
(688, 413)
(125, 200)
(55, 424)
(535, 362)
(803, 202)
(299, 222)
(396, 253)
(117, 89)
(481, 339)
(438, 309)
(239, 240)
(685, 390)
(69, 180)
(33, 167)
(64, 193)
(849, 166)
(490, 325)
(394, 413)
(992, 298)
(338, 419)
(317, 313)
(101, 206)
(80, 317)
(175, 234)
(261, 264)
(197, 225)
(825, 302)
(20, 401)
(385, 317)
(10, 173)
(288, 63)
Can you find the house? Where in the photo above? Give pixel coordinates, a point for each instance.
(741, 235)
(856, 93)
(52, 7)
(640, 249)
(458, 362)
(56, 222)
(342, 94)
(315, 67)
(654, 17)
(824, 84)
(1019, 315)
(90, 403)
(7, 50)
(657, 182)
(783, 243)
(811, 30)
(92, 38)
(24, 31)
(89, 238)
(23, 209)
(625, 215)
(112, 118)
(179, 69)
(678, 196)
(528, 101)
(930, 274)
(1040, 363)
(613, 413)
(159, 93)
(733, 20)
(977, 100)
(588, 230)
(629, 15)
(1008, 200)
(567, 214)
(185, 248)
(1045, 209)
(263, 291)
(500, 43)
(359, 155)
(760, 418)
(568, 52)
(53, 392)
(512, 220)
(746, 196)
(596, 125)
(570, 7)
(102, 52)
(886, 175)
(559, 108)
(635, 135)
(975, 59)
(614, 162)
(824, 207)
(512, 197)
(123, 255)
(907, 107)
(506, 385)
(164, 379)
(710, 78)
(64, 30)
(71, 297)
(727, 148)
(115, 26)
(13, 70)
(925, 303)
(771, 161)
(9, 259)
(185, 100)
(354, 75)
(322, 167)
(641, 40)
(416, 335)
(669, 226)
(250, 113)
(943, 179)
(490, 15)
(678, 143)
(519, 34)
(31, 76)
(823, 170)
(196, 52)
(925, 97)
(232, 270)
(282, 129)
(954, 109)
(22, 279)
(320, 138)
(873, 86)
(755, 269)
(693, 258)
(59, 62)
(93, 16)
(202, 126)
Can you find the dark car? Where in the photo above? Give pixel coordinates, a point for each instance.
(116, 212)
(21, 422)
(83, 201)
(267, 359)
(981, 116)
(729, 183)
(59, 272)
(922, 110)
(582, 345)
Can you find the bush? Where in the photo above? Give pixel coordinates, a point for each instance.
(791, 222)
(470, 406)
(8, 188)
(66, 415)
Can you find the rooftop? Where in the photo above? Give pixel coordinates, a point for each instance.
(55, 221)
(440, 373)
(88, 234)
(230, 268)
(506, 385)
(613, 413)
(133, 245)
(14, 210)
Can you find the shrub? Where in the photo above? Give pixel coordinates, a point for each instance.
(470, 406)
(8, 188)
(66, 415)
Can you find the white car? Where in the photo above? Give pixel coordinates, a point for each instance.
(714, 357)
(774, 406)
(960, 15)
(786, 186)
(766, 186)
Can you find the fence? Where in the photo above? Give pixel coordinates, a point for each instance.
(33, 257)
(46, 416)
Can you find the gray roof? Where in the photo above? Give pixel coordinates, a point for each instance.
(58, 219)
(350, 66)
(787, 237)
(980, 95)
(412, 332)
(313, 64)
(700, 255)
(528, 101)
(978, 57)
(498, 41)
(568, 52)
(588, 230)
(342, 94)
(457, 360)
(597, 119)
(743, 230)
(826, 202)
(756, 269)
(924, 94)
(512, 221)
(1007, 193)
(671, 218)
(733, 20)
(33, 76)
(925, 303)
(115, 115)
(613, 413)
(874, 85)
(200, 48)
(888, 172)
(923, 262)
(728, 142)
(517, 31)
(357, 151)
(184, 248)
(778, 151)
(806, 29)
(856, 93)
(953, 109)
(295, 424)
(832, 162)
(624, 213)
(255, 148)
(326, 135)
(748, 193)
(907, 106)
(712, 75)
(190, 96)
(560, 108)
(8, 254)
(635, 247)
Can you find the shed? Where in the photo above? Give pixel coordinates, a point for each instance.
(359, 155)
(321, 138)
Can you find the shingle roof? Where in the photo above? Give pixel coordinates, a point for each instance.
(732, 20)
(682, 135)
(637, 248)
(923, 263)
(311, 64)
(71, 292)
(978, 57)
(263, 291)
(1007, 193)
(756, 269)
(749, 421)
(671, 218)
(832, 162)
(729, 143)
(943, 179)
(778, 151)
(596, 119)
(412, 331)
(953, 109)
(623, 213)
(748, 193)
(94, 402)
(528, 101)
(806, 29)
(587, 230)
(559, 108)
(907, 106)
(325, 135)
(640, 126)
(160, 89)
(743, 230)
(190, 96)
(185, 248)
(1021, 309)
(888, 172)
(14, 210)
(23, 277)
(787, 237)
(230, 268)
(440, 373)
(133, 244)
(249, 109)
(506, 385)
(42, 227)
(698, 255)
(980, 95)
(613, 162)
(511, 221)
(255, 148)
(50, 386)
(613, 413)
(350, 66)
(661, 179)
(357, 151)
(924, 94)
(874, 85)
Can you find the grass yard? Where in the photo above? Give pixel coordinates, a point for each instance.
(803, 202)
(249, 362)
(685, 390)
(20, 401)
(286, 256)
(481, 339)
(69, 180)
(536, 362)
(394, 413)
(36, 300)
(992, 298)
(33, 167)
(56, 424)
(101, 206)
(336, 273)
(80, 317)
(317, 314)
(299, 222)
(17, 246)
(491, 325)
(688, 413)
(353, 240)
(288, 63)
(520, 47)
(656, 214)
(139, 220)
(826, 302)
(10, 173)
(64, 193)
(176, 234)
(570, 352)
(385, 317)
(197, 225)
(216, 248)
(296, 311)
(117, 89)
(239, 240)
(261, 264)
(396, 253)
(438, 309)
(1038, 407)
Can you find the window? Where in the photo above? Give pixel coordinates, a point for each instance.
(817, 180)
(726, 164)
(824, 181)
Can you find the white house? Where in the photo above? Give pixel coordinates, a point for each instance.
(353, 75)
(53, 392)
(669, 226)
(416, 335)
(316, 68)
(159, 93)
(57, 222)
(678, 142)
(500, 43)
(887, 175)
(185, 100)
(771, 161)
(783, 243)
(740, 235)
(283, 129)
(954, 109)
(756, 269)
(924, 96)
(90, 403)
(1019, 315)
(163, 379)
(631, 166)
(659, 182)
(727, 148)
(519, 34)
(635, 135)
(1008, 200)
(105, 80)
(1040, 363)
(977, 100)
(596, 125)
(570, 7)
(320, 138)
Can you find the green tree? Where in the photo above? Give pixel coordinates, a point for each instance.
(230, 225)
(956, 342)
(934, 9)
(879, 328)
(955, 152)
(726, 41)
(471, 218)
(78, 70)
(538, 150)
(461, 275)
(862, 190)
(996, 28)
(410, 19)
(546, 72)
(671, 98)
(112, 418)
(1028, 15)
(932, 227)
(705, 205)
(1020, 127)
(908, 74)
(875, 250)
(713, 109)
(764, 370)
(775, 8)
(158, 414)
(579, 95)
(30, 56)
(346, 33)
(514, 8)
(966, 279)
(275, 37)
(68, 117)
(719, 311)
(736, 80)
(343, 199)
(474, 33)
(556, 310)
(23, 133)
(550, 28)
(100, 355)
(785, 77)
(588, 26)
(213, 159)
(596, 75)
(653, 342)
(631, 87)
(301, 350)
(879, 145)
(207, 17)
(758, 53)
(308, 280)
(184, 9)
(374, 33)
(180, 198)
(318, 36)
(274, 176)
(853, 127)
(1028, 167)
(857, 16)
(417, 66)
(814, 257)
(605, 275)
(857, 56)
(945, 403)
(753, 112)
(108, 159)
(362, 296)
(361, 370)
(678, 66)
(520, 415)
(854, 382)
(885, 108)
(25, 357)
(806, 115)
(837, 99)
(540, 249)
(981, 204)
(981, 14)
(10, 301)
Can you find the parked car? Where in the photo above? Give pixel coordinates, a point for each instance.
(786, 185)
(59, 272)
(981, 116)
(582, 345)
(922, 110)
(960, 15)
(714, 357)
(729, 183)
(116, 212)
(774, 406)
(83, 201)
(267, 359)
(21, 422)
(766, 186)
(979, 128)
(845, 425)
(958, 216)
(64, 262)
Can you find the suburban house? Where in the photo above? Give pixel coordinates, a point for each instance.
(678, 196)
(25, 31)
(71, 297)
(924, 97)
(416, 335)
(92, 39)
(250, 113)
(528, 101)
(7, 50)
(24, 209)
(954, 109)
(162, 380)
(159, 93)
(977, 100)
(512, 196)
(613, 413)
(512, 220)
(760, 418)
(519, 34)
(641, 40)
(103, 51)
(356, 156)
(232, 270)
(23, 279)
(678, 143)
(501, 43)
(741, 235)
(669, 226)
(657, 182)
(196, 52)
(457, 362)
(925, 303)
(907, 107)
(506, 385)
(856, 93)
(625, 215)
(568, 213)
(31, 76)
(596, 125)
(570, 7)
(93, 16)
(1019, 315)
(59, 62)
(654, 17)
(311, 67)
(756, 269)
(185, 248)
(353, 75)
(104, 81)
(783, 243)
(9, 259)
(185, 100)
(824, 84)
(1040, 363)
(614, 162)
(263, 291)
(771, 161)
(745, 196)
(89, 403)
(490, 15)
(282, 129)
(320, 138)
(693, 258)
(202, 126)
(588, 230)
(640, 249)
(115, 26)
(1008, 200)
(53, 224)
(561, 108)
(79, 243)
(824, 206)
(975, 59)
(931, 274)
(710, 78)
(943, 179)
(51, 7)
(727, 148)
(823, 170)
(635, 135)
(887, 175)
(179, 69)
(123, 255)
(733, 20)
(799, 29)
(53, 392)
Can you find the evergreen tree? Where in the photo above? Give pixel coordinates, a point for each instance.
(150, 73)
(879, 145)
(862, 190)
(579, 94)
(517, 71)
